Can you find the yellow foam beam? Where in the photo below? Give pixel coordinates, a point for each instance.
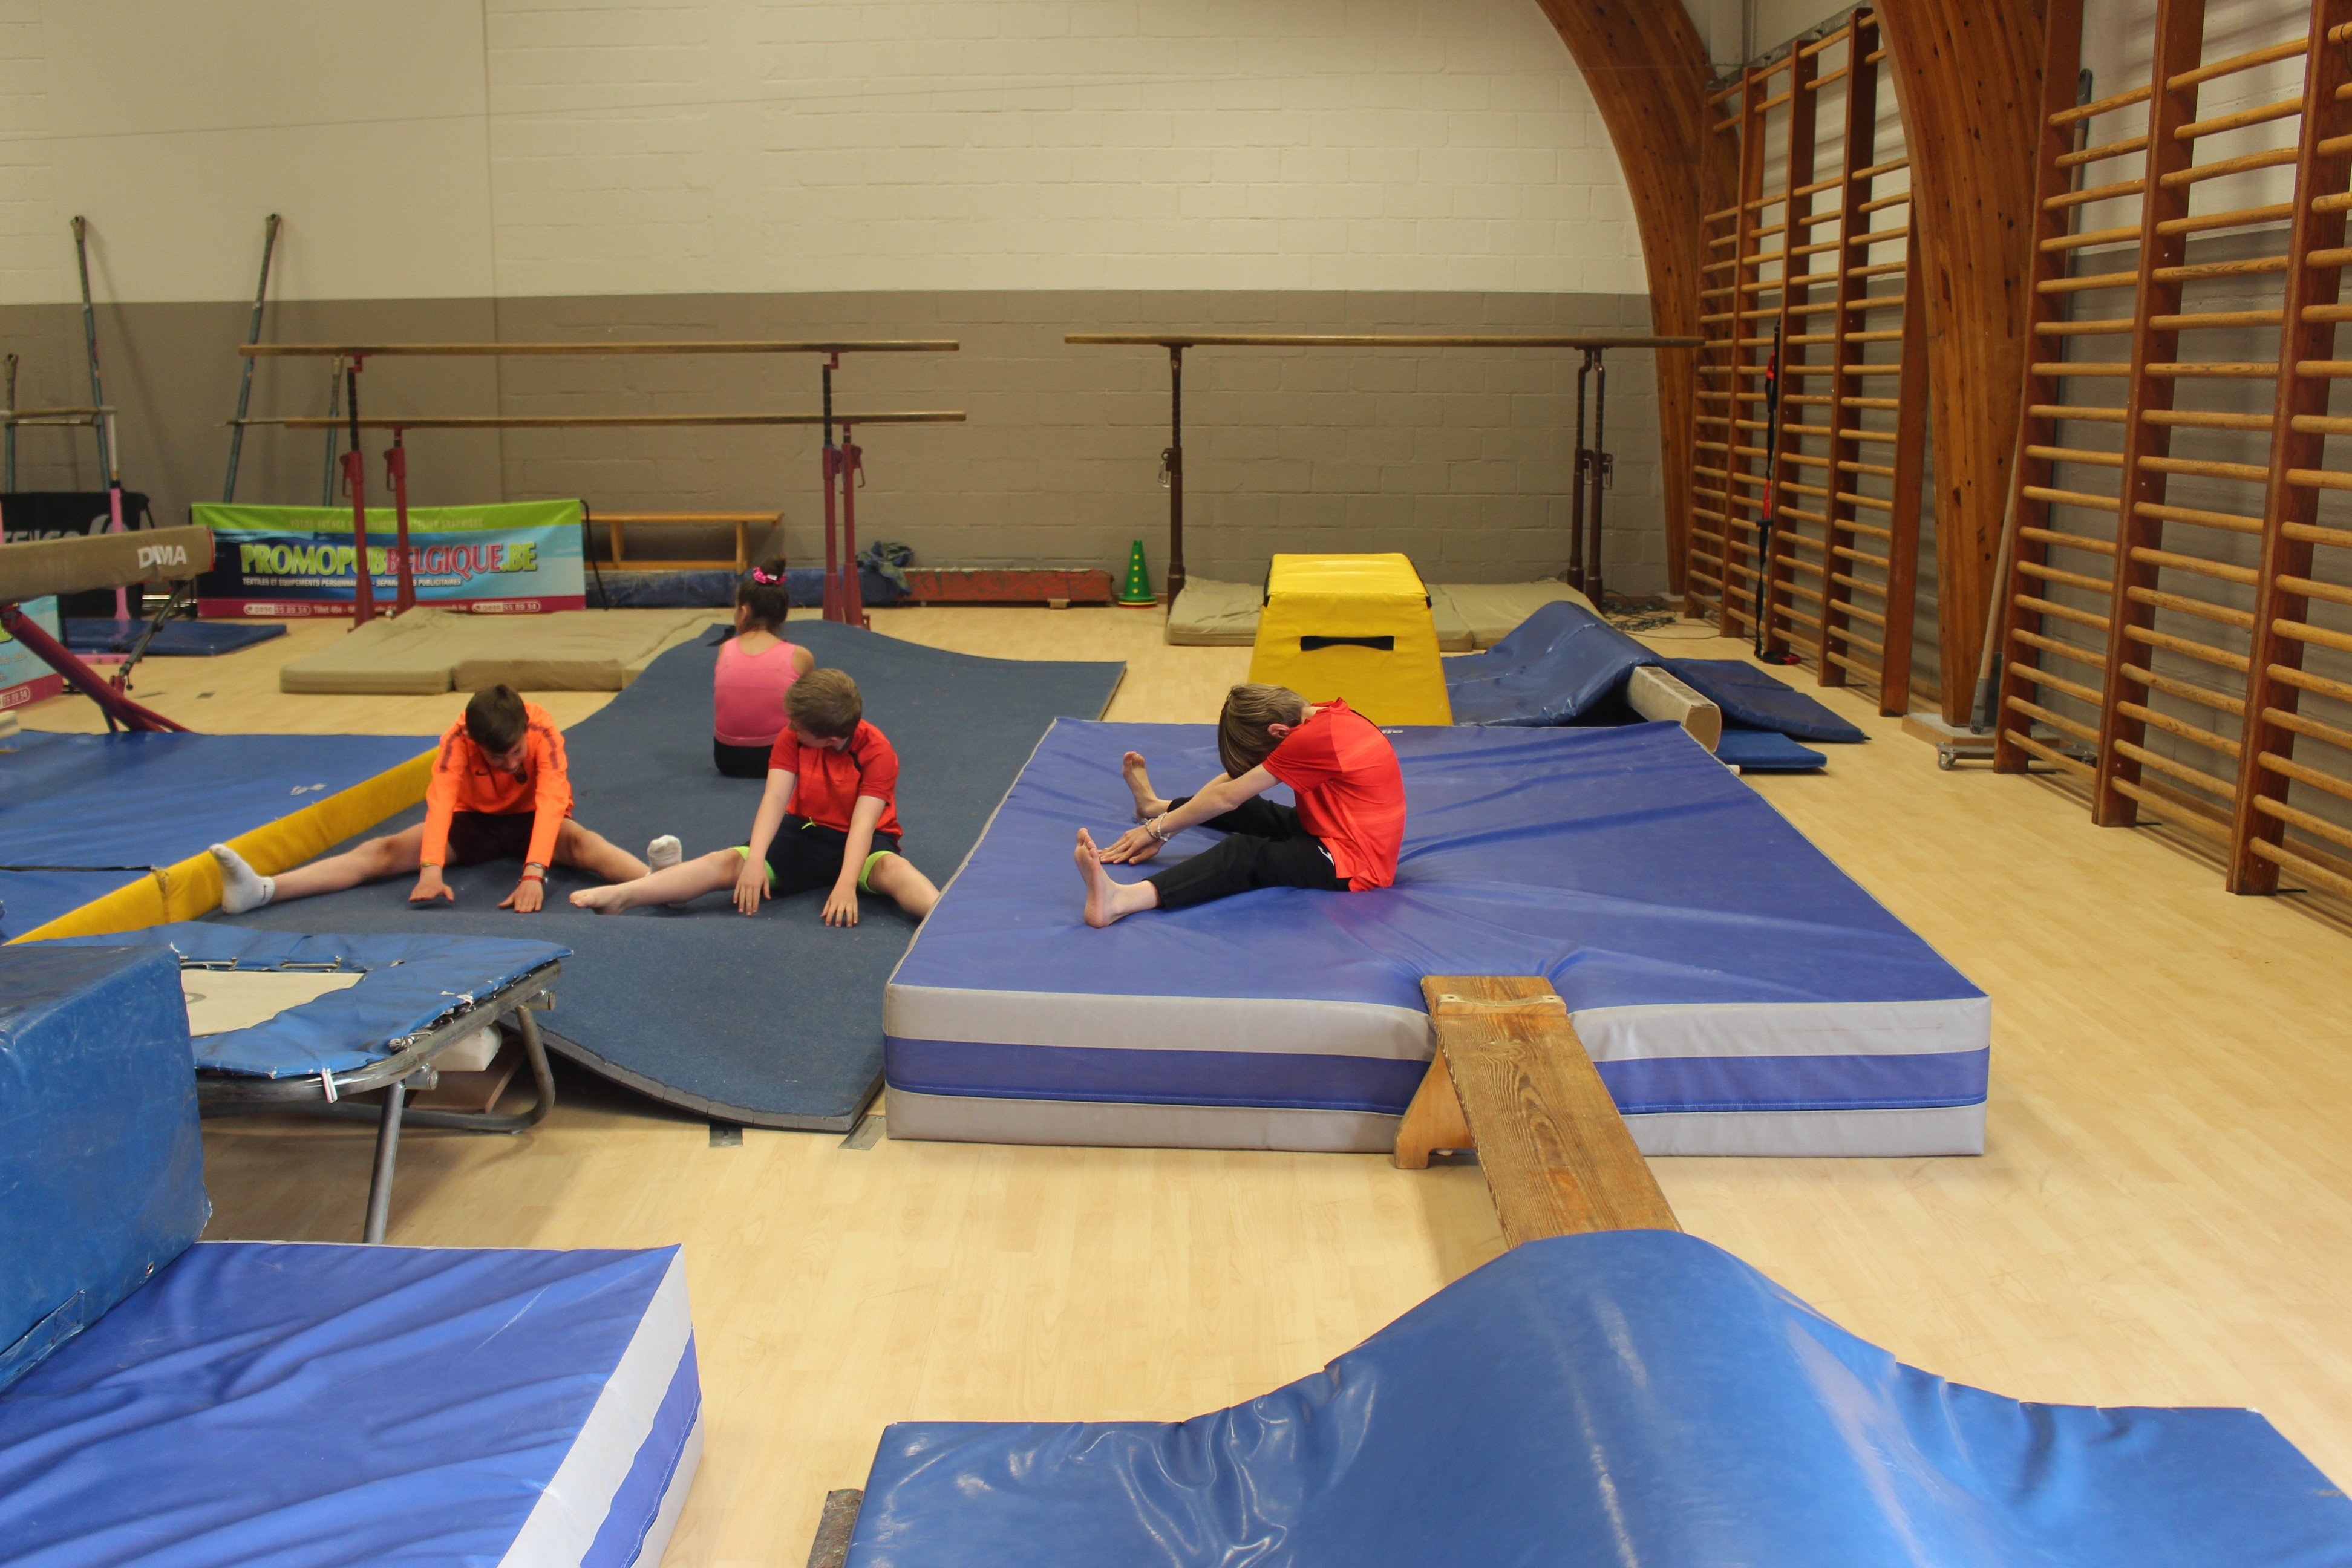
(193, 888)
(1354, 626)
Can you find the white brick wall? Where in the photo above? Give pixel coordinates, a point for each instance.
(465, 148)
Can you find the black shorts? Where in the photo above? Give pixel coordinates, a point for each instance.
(478, 835)
(1263, 847)
(739, 762)
(806, 854)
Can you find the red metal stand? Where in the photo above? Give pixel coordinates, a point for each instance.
(395, 470)
(852, 469)
(355, 481)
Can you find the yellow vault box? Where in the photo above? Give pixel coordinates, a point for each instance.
(1354, 626)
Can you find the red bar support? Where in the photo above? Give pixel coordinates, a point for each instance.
(355, 481)
(853, 474)
(395, 470)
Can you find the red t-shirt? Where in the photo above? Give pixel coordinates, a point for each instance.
(1351, 792)
(827, 783)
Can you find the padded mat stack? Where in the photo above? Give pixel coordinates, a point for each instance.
(1738, 993)
(429, 650)
(1469, 616)
(1630, 1397)
(774, 1021)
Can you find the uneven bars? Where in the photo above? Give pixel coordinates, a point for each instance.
(600, 421)
(375, 351)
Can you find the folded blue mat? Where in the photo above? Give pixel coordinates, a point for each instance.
(1766, 752)
(1633, 1396)
(172, 640)
(1762, 701)
(1559, 665)
(410, 983)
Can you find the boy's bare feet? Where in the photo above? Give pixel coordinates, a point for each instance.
(1148, 801)
(1100, 887)
(606, 900)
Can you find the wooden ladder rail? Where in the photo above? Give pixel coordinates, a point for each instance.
(1859, 152)
(2260, 814)
(2032, 492)
(1511, 1080)
(1720, 326)
(2116, 785)
(1802, 67)
(1908, 490)
(1744, 365)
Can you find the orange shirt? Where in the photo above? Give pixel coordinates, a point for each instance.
(826, 783)
(464, 780)
(1351, 792)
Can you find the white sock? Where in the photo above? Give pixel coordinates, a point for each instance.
(664, 852)
(242, 886)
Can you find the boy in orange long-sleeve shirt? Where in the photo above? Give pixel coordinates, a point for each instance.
(500, 790)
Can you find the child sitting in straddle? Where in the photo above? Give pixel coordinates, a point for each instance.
(828, 818)
(1343, 836)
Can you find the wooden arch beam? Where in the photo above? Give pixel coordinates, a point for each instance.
(1968, 75)
(1646, 68)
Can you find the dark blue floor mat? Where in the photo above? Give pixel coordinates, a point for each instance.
(172, 640)
(774, 1021)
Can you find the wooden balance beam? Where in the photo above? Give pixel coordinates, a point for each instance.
(38, 568)
(1511, 1080)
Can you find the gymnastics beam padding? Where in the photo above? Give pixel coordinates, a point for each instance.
(192, 889)
(1511, 1080)
(782, 346)
(1371, 340)
(40, 567)
(602, 421)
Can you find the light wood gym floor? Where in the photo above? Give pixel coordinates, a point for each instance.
(2163, 1215)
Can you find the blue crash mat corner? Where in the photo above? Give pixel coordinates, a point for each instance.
(1640, 1390)
(172, 640)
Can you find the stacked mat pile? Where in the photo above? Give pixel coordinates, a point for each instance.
(428, 650)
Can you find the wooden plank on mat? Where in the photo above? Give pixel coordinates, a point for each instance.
(1511, 1080)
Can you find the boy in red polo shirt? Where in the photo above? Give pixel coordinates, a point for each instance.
(828, 818)
(1343, 836)
(500, 790)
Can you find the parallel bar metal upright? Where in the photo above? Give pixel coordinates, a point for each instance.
(1171, 464)
(244, 376)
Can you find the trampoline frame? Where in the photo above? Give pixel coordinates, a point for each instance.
(411, 1067)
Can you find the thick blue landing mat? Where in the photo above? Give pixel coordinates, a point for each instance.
(774, 1021)
(172, 640)
(153, 800)
(318, 1407)
(410, 983)
(1623, 1397)
(1762, 700)
(1765, 751)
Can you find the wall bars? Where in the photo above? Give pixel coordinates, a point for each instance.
(1841, 585)
(2177, 616)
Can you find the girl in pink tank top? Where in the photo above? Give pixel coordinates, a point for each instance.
(756, 668)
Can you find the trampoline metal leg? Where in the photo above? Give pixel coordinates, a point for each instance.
(387, 1148)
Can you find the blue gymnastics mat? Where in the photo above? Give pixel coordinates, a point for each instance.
(314, 1406)
(1739, 994)
(172, 640)
(774, 1021)
(141, 801)
(1624, 1398)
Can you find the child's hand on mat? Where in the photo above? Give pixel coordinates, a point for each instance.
(429, 887)
(1133, 846)
(751, 882)
(528, 895)
(841, 905)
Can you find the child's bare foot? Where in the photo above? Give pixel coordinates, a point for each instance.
(607, 900)
(1148, 802)
(1100, 889)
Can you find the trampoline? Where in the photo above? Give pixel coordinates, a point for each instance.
(1738, 992)
(1631, 1396)
(312, 1405)
(108, 832)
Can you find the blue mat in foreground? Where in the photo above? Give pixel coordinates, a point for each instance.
(774, 1021)
(132, 801)
(1625, 1397)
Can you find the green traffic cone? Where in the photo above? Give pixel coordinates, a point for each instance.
(1139, 579)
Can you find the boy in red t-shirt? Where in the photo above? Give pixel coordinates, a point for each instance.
(1343, 836)
(500, 790)
(828, 818)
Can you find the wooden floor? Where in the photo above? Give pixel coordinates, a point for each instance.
(2163, 1215)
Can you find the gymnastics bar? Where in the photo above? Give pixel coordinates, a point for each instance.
(1511, 1080)
(601, 421)
(36, 568)
(1592, 468)
(841, 464)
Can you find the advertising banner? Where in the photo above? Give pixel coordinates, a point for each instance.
(514, 557)
(23, 676)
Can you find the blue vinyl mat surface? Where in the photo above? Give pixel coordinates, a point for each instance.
(172, 640)
(775, 1021)
(1629, 1397)
(153, 800)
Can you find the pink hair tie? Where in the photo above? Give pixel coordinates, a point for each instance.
(765, 578)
